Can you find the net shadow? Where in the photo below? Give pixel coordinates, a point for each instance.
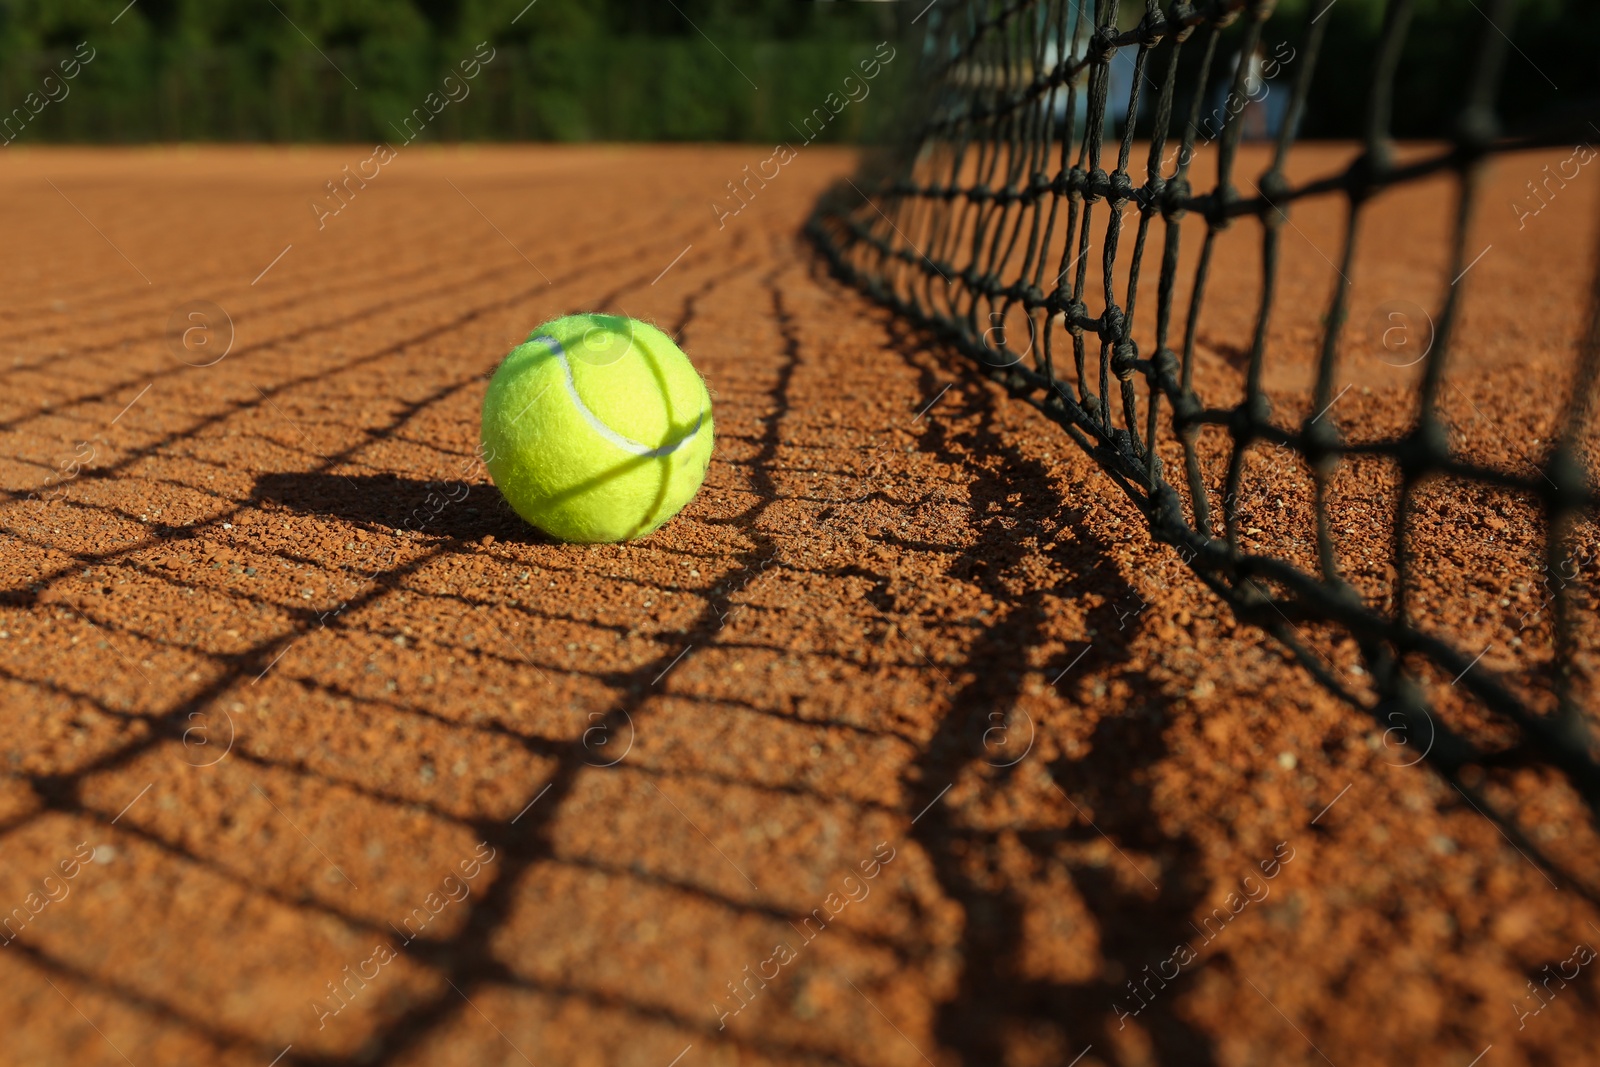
(1010, 222)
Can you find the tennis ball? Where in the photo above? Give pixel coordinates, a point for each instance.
(597, 428)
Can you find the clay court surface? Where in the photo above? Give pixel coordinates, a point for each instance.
(901, 745)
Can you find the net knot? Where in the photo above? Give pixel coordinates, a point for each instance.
(1124, 360)
(1121, 186)
(1179, 15)
(1476, 131)
(1112, 323)
(1072, 181)
(1153, 26)
(1165, 364)
(1222, 17)
(1274, 190)
(1103, 45)
(1367, 173)
(1217, 204)
(1172, 198)
(1029, 296)
(1097, 187)
(1154, 189)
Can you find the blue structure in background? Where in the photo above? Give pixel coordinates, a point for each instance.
(1263, 109)
(1122, 64)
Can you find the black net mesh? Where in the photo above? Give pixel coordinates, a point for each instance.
(1053, 157)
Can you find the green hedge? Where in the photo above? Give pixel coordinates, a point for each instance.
(248, 70)
(240, 70)
(586, 90)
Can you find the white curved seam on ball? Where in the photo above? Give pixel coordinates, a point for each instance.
(627, 444)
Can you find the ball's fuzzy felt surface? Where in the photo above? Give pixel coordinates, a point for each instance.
(597, 428)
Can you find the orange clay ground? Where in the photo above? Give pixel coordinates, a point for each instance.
(901, 745)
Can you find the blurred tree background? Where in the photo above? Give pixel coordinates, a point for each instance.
(676, 70)
(1550, 76)
(351, 70)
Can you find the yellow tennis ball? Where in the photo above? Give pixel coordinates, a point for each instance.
(597, 428)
